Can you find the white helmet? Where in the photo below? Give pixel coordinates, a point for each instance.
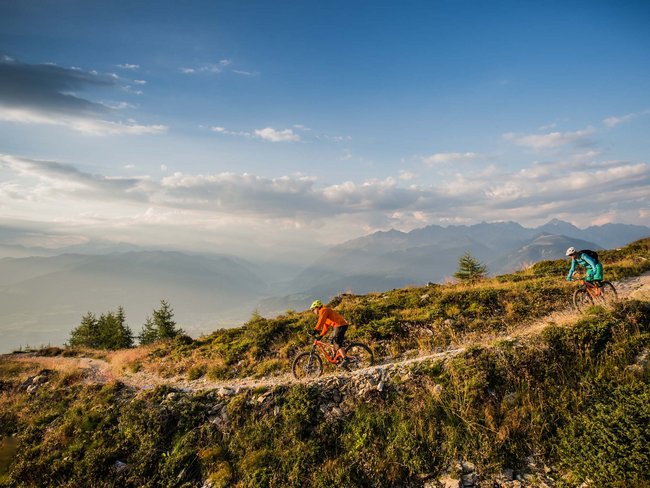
(571, 251)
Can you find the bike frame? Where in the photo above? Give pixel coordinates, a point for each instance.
(326, 348)
(593, 290)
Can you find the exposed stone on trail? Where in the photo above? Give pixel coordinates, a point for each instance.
(32, 383)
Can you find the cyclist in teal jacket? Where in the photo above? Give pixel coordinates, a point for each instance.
(593, 267)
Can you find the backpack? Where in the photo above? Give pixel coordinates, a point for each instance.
(592, 254)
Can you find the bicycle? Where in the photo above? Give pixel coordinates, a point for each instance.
(309, 364)
(589, 293)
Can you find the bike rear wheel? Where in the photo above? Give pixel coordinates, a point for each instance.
(582, 299)
(608, 293)
(307, 365)
(359, 356)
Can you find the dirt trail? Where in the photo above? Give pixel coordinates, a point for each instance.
(101, 371)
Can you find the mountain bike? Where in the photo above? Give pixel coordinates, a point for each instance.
(588, 294)
(309, 364)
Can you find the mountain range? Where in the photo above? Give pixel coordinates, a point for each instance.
(43, 297)
(395, 259)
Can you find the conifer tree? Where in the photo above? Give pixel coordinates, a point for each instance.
(108, 332)
(160, 326)
(163, 319)
(148, 334)
(86, 334)
(470, 269)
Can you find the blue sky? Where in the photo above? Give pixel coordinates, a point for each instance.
(213, 125)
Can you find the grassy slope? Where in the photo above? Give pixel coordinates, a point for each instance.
(577, 398)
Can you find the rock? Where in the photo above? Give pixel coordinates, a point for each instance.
(508, 474)
(449, 482)
(380, 386)
(469, 479)
(337, 412)
(263, 397)
(336, 396)
(467, 467)
(120, 466)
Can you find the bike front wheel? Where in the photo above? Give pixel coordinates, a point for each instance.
(307, 365)
(582, 299)
(359, 356)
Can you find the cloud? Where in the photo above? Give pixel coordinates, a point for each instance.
(272, 135)
(90, 126)
(68, 178)
(60, 192)
(245, 73)
(223, 130)
(49, 87)
(551, 140)
(128, 66)
(617, 120)
(210, 68)
(454, 157)
(48, 94)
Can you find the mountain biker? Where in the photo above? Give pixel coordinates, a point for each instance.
(593, 267)
(327, 318)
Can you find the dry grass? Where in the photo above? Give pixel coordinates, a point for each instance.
(131, 359)
(66, 366)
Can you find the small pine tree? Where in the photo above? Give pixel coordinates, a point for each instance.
(470, 269)
(148, 334)
(163, 319)
(86, 334)
(160, 326)
(108, 332)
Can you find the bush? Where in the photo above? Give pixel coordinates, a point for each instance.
(609, 441)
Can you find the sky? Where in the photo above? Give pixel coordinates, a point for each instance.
(263, 128)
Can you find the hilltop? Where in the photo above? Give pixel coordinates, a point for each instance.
(497, 382)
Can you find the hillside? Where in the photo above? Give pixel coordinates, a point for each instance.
(498, 382)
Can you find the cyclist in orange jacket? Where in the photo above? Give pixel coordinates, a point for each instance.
(327, 318)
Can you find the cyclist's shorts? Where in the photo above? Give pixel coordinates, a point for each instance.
(595, 275)
(339, 335)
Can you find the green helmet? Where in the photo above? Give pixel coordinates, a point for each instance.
(316, 304)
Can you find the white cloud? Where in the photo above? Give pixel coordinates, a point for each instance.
(406, 175)
(223, 130)
(213, 68)
(245, 73)
(273, 135)
(129, 66)
(90, 126)
(454, 157)
(60, 192)
(617, 120)
(551, 140)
